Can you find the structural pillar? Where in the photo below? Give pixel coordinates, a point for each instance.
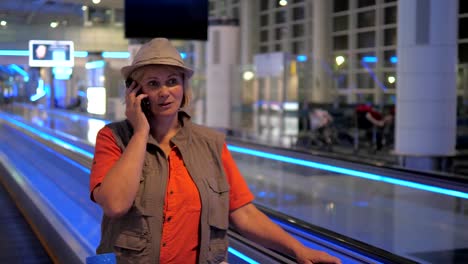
(247, 20)
(322, 79)
(426, 82)
(222, 58)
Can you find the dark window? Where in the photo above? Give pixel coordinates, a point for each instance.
(364, 3)
(235, 12)
(298, 1)
(364, 81)
(340, 5)
(390, 37)
(298, 47)
(365, 98)
(366, 40)
(264, 35)
(280, 17)
(298, 30)
(463, 28)
(341, 80)
(463, 53)
(390, 15)
(264, 5)
(389, 58)
(280, 33)
(277, 47)
(340, 42)
(340, 23)
(263, 49)
(389, 1)
(366, 19)
(463, 8)
(298, 13)
(264, 20)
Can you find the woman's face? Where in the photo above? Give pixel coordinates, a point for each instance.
(165, 89)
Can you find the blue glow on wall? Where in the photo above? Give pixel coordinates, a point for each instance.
(116, 54)
(301, 58)
(369, 59)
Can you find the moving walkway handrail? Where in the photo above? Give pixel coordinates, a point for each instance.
(336, 238)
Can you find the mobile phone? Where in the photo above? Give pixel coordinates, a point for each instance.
(145, 103)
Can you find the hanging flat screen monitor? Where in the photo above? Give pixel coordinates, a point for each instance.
(51, 53)
(173, 19)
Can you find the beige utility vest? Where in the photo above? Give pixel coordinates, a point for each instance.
(136, 236)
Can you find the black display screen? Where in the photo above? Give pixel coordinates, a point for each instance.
(173, 19)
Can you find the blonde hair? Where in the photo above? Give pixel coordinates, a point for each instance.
(138, 73)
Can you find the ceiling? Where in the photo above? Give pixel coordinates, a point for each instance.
(66, 12)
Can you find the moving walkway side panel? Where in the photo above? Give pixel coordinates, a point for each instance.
(18, 242)
(40, 190)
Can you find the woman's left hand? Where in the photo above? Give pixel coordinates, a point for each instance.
(310, 256)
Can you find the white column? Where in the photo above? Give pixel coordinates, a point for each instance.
(247, 22)
(426, 75)
(322, 85)
(222, 58)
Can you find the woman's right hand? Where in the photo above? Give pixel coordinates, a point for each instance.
(133, 110)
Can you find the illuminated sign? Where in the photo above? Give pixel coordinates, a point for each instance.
(51, 53)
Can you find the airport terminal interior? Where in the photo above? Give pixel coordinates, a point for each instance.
(347, 118)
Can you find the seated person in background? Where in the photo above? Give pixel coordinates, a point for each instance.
(321, 121)
(372, 121)
(170, 188)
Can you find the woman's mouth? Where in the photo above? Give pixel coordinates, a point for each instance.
(165, 104)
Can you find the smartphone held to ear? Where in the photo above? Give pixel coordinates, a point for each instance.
(145, 103)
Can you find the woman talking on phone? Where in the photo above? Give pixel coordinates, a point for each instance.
(170, 188)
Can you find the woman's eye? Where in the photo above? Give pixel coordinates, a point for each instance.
(154, 84)
(172, 82)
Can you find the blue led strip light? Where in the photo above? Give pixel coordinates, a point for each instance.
(242, 256)
(349, 172)
(50, 138)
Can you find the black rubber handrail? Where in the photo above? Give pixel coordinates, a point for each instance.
(336, 238)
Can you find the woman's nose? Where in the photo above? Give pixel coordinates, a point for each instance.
(164, 91)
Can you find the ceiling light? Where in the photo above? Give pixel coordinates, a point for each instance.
(248, 75)
(339, 60)
(96, 2)
(54, 24)
(84, 8)
(283, 2)
(3, 23)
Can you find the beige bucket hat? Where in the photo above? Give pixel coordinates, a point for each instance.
(156, 51)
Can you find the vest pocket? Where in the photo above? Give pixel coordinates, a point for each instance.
(131, 248)
(217, 252)
(218, 203)
(218, 218)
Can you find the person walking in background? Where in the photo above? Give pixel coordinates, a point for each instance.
(169, 188)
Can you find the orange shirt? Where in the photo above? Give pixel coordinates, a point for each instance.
(179, 243)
